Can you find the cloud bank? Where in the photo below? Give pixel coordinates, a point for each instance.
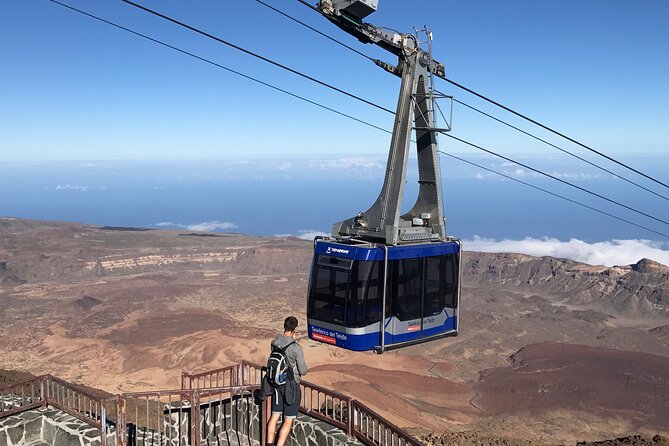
(208, 226)
(78, 188)
(609, 253)
(304, 234)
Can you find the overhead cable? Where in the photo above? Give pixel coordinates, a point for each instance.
(218, 65)
(551, 193)
(256, 55)
(559, 148)
(338, 112)
(290, 17)
(610, 200)
(545, 127)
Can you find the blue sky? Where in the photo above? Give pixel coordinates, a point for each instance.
(75, 89)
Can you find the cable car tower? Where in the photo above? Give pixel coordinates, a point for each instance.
(386, 279)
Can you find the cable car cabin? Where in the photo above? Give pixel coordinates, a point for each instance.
(346, 298)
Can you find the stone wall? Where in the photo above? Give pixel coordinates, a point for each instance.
(309, 431)
(222, 423)
(50, 427)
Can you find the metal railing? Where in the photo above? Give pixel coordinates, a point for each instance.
(209, 408)
(49, 390)
(372, 429)
(186, 416)
(223, 377)
(334, 408)
(22, 396)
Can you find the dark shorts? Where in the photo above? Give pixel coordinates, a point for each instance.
(279, 404)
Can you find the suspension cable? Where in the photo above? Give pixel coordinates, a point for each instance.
(545, 127)
(551, 193)
(374, 126)
(256, 55)
(338, 42)
(610, 200)
(559, 148)
(218, 65)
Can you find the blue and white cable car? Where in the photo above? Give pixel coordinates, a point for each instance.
(387, 279)
(413, 289)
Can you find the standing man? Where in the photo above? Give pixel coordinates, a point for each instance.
(286, 398)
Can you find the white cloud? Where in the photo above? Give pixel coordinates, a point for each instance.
(304, 234)
(352, 163)
(211, 226)
(69, 187)
(204, 226)
(609, 253)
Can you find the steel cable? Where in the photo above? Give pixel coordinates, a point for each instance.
(380, 128)
(610, 200)
(545, 127)
(256, 55)
(551, 193)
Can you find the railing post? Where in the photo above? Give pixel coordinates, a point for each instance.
(195, 417)
(265, 409)
(349, 425)
(44, 396)
(103, 425)
(121, 430)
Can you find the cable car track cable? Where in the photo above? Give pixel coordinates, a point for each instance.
(558, 148)
(545, 127)
(338, 42)
(504, 107)
(610, 200)
(551, 193)
(218, 65)
(256, 55)
(363, 121)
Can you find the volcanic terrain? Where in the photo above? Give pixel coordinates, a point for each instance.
(550, 352)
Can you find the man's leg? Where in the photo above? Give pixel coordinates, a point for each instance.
(284, 431)
(271, 427)
(277, 410)
(290, 412)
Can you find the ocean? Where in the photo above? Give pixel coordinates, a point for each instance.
(304, 196)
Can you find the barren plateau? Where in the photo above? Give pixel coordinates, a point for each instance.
(550, 352)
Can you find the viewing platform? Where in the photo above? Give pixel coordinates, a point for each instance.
(46, 410)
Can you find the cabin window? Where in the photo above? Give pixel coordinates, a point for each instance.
(355, 306)
(407, 290)
(451, 280)
(375, 294)
(435, 285)
(329, 293)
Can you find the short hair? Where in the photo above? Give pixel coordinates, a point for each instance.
(290, 324)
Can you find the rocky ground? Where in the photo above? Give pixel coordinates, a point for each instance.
(550, 351)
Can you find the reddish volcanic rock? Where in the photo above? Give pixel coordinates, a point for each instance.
(552, 376)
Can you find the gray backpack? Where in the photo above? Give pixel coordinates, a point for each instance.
(278, 369)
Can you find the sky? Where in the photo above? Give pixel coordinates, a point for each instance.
(72, 88)
(77, 95)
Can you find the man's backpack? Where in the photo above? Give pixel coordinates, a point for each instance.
(278, 369)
